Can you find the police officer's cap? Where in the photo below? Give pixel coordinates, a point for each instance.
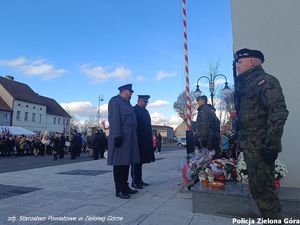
(202, 97)
(145, 98)
(126, 87)
(248, 53)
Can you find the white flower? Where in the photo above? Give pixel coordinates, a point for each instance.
(280, 169)
(241, 167)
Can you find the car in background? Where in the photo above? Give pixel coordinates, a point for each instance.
(181, 142)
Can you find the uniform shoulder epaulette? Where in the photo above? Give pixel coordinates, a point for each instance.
(262, 82)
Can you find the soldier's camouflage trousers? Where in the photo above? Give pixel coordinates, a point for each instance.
(262, 184)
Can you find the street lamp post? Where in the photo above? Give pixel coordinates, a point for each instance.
(100, 99)
(211, 81)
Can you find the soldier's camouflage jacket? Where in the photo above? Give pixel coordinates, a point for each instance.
(261, 110)
(204, 122)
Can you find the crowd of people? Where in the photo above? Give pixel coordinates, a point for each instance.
(56, 144)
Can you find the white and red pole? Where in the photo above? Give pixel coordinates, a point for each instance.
(186, 61)
(189, 132)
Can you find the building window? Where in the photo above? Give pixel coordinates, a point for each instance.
(33, 117)
(58, 121)
(64, 122)
(26, 116)
(40, 108)
(54, 120)
(27, 106)
(19, 104)
(5, 117)
(34, 107)
(18, 115)
(41, 118)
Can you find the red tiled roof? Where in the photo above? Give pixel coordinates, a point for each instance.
(4, 106)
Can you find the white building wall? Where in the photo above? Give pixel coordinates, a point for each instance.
(38, 125)
(58, 125)
(273, 26)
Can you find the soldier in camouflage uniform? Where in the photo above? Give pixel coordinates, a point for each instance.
(262, 114)
(204, 122)
(215, 142)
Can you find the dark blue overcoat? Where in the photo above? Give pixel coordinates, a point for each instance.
(144, 134)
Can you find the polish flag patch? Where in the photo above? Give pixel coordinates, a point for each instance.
(262, 82)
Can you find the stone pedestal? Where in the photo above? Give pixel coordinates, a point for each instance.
(235, 201)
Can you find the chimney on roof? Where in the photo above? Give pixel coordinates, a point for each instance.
(9, 77)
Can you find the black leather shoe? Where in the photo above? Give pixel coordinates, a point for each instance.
(137, 186)
(122, 195)
(144, 184)
(131, 191)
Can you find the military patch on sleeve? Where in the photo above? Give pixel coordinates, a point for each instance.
(262, 82)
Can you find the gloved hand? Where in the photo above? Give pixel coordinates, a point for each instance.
(118, 141)
(269, 156)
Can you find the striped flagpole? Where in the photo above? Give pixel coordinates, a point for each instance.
(186, 60)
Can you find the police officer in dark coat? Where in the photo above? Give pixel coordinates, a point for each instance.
(122, 144)
(262, 114)
(144, 135)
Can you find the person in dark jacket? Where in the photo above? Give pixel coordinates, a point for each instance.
(62, 144)
(204, 122)
(74, 145)
(144, 136)
(78, 144)
(103, 143)
(158, 142)
(96, 144)
(215, 139)
(122, 144)
(99, 141)
(55, 145)
(36, 145)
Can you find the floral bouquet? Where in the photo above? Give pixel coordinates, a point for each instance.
(280, 169)
(241, 168)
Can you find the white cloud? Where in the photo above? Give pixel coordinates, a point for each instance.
(140, 78)
(160, 119)
(34, 67)
(163, 74)
(80, 109)
(158, 104)
(175, 120)
(101, 74)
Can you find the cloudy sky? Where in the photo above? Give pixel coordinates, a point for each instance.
(77, 50)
